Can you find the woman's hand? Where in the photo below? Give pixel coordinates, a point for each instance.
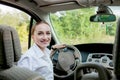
(58, 46)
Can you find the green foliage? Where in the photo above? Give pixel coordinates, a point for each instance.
(22, 32)
(18, 20)
(74, 27)
(13, 18)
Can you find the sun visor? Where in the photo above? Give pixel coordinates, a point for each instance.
(86, 3)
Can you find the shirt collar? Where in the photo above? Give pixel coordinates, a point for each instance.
(39, 52)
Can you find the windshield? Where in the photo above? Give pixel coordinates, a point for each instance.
(74, 27)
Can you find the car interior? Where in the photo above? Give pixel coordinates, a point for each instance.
(79, 60)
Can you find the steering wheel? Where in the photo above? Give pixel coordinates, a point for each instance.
(65, 61)
(101, 74)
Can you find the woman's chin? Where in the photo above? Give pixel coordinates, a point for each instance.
(45, 45)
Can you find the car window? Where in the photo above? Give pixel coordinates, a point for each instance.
(74, 27)
(17, 19)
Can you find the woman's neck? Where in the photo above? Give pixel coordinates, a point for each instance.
(42, 49)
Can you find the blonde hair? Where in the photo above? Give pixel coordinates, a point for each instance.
(33, 27)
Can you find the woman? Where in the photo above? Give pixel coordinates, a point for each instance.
(37, 58)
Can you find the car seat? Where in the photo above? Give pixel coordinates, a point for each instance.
(10, 49)
(10, 53)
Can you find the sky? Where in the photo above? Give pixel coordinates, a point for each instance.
(6, 8)
(116, 10)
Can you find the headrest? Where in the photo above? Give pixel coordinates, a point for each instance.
(10, 49)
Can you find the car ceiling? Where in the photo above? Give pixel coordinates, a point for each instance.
(40, 9)
(58, 5)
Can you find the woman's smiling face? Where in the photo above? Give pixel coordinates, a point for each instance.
(42, 35)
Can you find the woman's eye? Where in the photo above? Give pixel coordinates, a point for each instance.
(48, 33)
(40, 33)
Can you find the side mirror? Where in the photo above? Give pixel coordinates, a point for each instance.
(103, 18)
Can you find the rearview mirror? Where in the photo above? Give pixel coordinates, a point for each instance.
(104, 14)
(103, 18)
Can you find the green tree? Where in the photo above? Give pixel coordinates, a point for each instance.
(76, 26)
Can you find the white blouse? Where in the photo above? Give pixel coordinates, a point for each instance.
(35, 60)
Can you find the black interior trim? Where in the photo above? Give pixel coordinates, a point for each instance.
(29, 36)
(96, 47)
(116, 51)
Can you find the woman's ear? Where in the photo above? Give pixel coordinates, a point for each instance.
(32, 36)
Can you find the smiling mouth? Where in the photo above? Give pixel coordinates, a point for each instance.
(45, 42)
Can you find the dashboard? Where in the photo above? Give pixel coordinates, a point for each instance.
(104, 59)
(100, 53)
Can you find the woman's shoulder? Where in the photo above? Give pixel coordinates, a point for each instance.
(29, 52)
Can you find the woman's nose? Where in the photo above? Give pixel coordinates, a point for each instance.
(44, 36)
